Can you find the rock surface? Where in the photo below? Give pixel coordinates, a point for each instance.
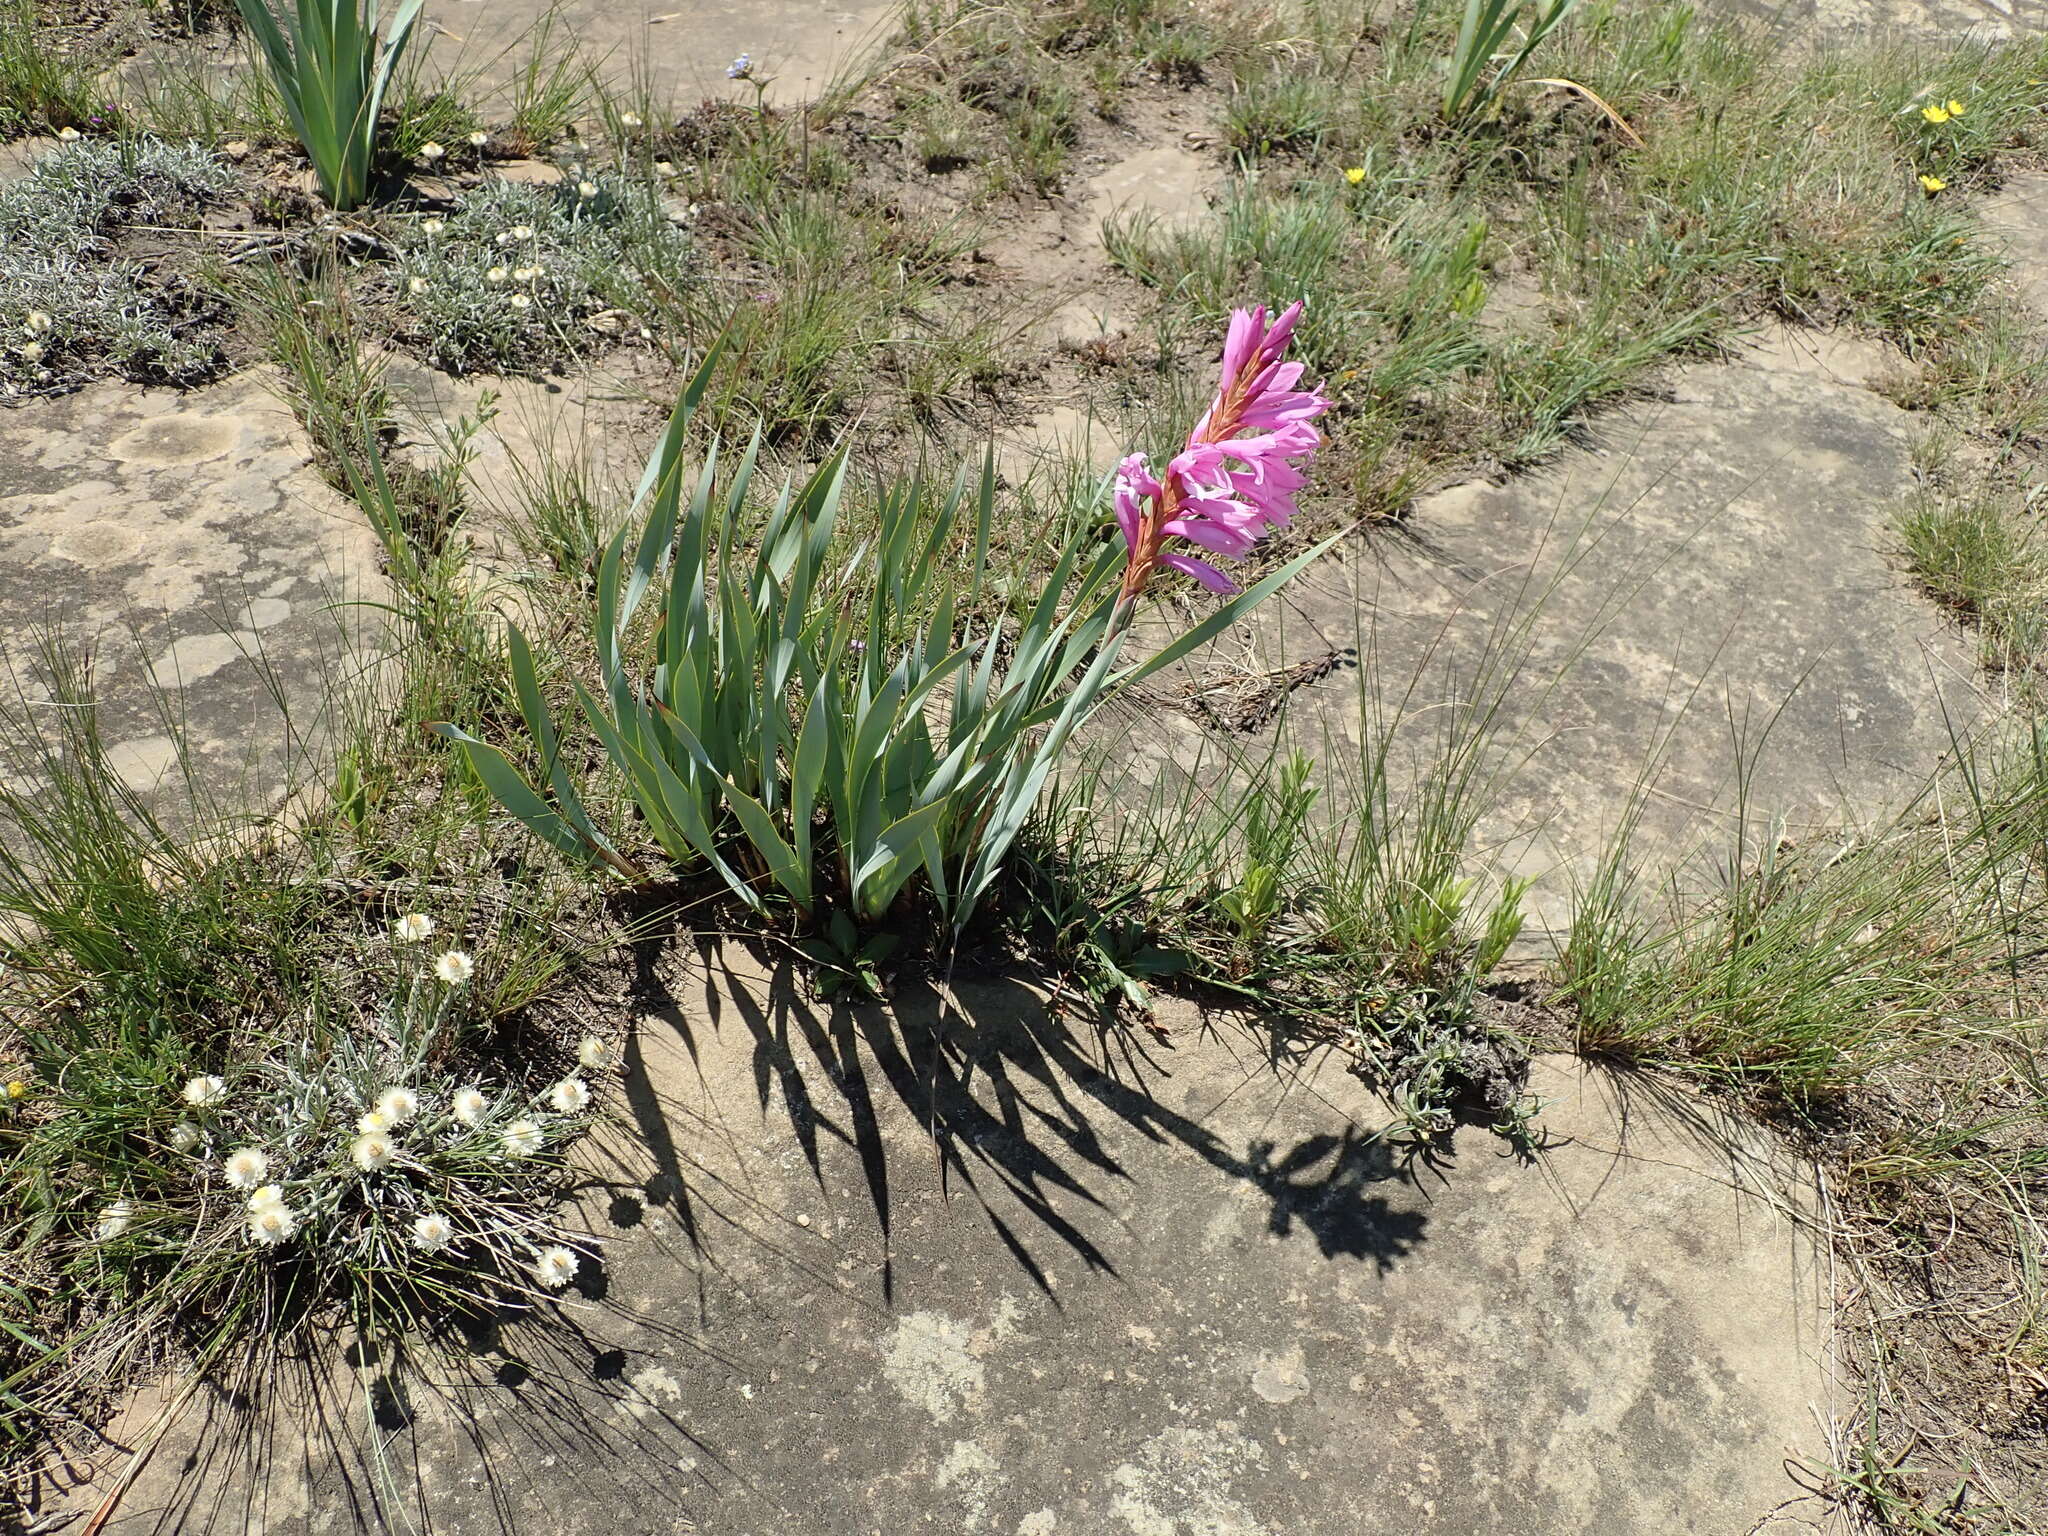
(2018, 216)
(1937, 23)
(1707, 583)
(187, 542)
(679, 49)
(1049, 1282)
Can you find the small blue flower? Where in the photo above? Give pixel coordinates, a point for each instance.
(740, 67)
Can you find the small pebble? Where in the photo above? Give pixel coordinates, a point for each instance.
(803, 1221)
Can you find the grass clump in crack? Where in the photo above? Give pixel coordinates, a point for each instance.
(262, 1082)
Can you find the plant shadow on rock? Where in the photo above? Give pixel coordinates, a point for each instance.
(1055, 1133)
(1013, 1100)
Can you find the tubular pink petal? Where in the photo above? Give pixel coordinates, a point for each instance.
(1201, 570)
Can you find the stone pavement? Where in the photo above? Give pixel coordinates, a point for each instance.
(1039, 1281)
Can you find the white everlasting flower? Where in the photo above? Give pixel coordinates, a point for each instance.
(185, 1136)
(586, 190)
(497, 274)
(245, 1169)
(523, 1138)
(372, 1151)
(520, 301)
(416, 285)
(525, 274)
(414, 926)
(468, 1105)
(455, 967)
(479, 139)
(31, 351)
(521, 231)
(592, 1054)
(37, 322)
(664, 167)
(67, 135)
(372, 1124)
(267, 1196)
(554, 1267)
(203, 1092)
(431, 1233)
(504, 237)
(114, 1220)
(272, 1224)
(570, 1095)
(432, 226)
(431, 151)
(629, 119)
(398, 1105)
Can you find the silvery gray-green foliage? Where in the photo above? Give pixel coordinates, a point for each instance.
(517, 278)
(70, 307)
(485, 1168)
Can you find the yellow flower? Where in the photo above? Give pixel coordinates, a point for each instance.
(1955, 108)
(1931, 183)
(17, 1090)
(1355, 174)
(1935, 114)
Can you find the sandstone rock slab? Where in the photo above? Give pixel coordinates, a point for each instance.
(678, 48)
(186, 541)
(871, 1272)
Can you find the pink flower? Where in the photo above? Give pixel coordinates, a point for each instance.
(1225, 489)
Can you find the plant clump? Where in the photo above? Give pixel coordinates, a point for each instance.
(519, 279)
(75, 303)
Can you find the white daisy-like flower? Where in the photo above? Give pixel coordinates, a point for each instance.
(593, 1055)
(432, 1232)
(431, 151)
(468, 1105)
(245, 1169)
(497, 274)
(372, 1124)
(554, 1267)
(372, 1151)
(272, 1224)
(36, 321)
(414, 926)
(586, 190)
(520, 301)
(479, 139)
(504, 237)
(570, 1095)
(416, 285)
(629, 119)
(67, 135)
(432, 226)
(203, 1092)
(185, 1136)
(523, 1138)
(521, 231)
(525, 274)
(114, 1220)
(398, 1105)
(31, 351)
(268, 1195)
(456, 967)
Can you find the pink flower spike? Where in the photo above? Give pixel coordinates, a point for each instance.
(1224, 490)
